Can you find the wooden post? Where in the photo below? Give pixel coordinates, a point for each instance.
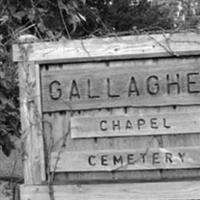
(31, 119)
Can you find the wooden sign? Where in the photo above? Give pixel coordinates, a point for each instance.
(143, 123)
(121, 83)
(115, 160)
(111, 110)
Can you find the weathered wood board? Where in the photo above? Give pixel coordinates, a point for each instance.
(84, 91)
(126, 176)
(31, 121)
(57, 125)
(59, 130)
(185, 190)
(138, 124)
(121, 83)
(123, 160)
(96, 49)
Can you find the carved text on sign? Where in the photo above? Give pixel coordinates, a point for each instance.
(145, 122)
(136, 159)
(125, 85)
(123, 160)
(153, 85)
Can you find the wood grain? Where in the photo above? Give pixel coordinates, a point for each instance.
(146, 123)
(59, 120)
(31, 119)
(129, 83)
(134, 176)
(143, 46)
(95, 52)
(186, 190)
(129, 159)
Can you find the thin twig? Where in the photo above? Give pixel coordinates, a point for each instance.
(167, 48)
(63, 21)
(26, 28)
(137, 160)
(85, 49)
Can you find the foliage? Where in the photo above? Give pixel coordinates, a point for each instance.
(120, 16)
(9, 112)
(58, 19)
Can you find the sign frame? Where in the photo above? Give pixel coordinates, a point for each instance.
(30, 56)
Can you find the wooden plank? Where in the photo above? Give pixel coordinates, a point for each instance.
(129, 159)
(158, 123)
(128, 83)
(31, 119)
(37, 114)
(143, 46)
(63, 178)
(186, 190)
(121, 143)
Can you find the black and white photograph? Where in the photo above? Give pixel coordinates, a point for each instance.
(99, 99)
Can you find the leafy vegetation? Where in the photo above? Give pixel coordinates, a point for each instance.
(57, 19)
